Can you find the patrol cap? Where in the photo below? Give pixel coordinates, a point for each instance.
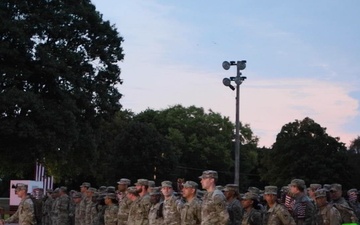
(320, 193)
(336, 187)
(21, 186)
(209, 174)
(77, 195)
(142, 182)
(102, 188)
(155, 191)
(56, 191)
(166, 183)
(110, 189)
(63, 189)
(110, 195)
(231, 187)
(132, 190)
(254, 190)
(249, 195)
(315, 187)
(219, 187)
(190, 184)
(298, 183)
(327, 187)
(91, 189)
(285, 189)
(85, 184)
(352, 191)
(151, 183)
(49, 191)
(124, 181)
(270, 190)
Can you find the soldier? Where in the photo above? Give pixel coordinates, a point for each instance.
(156, 212)
(170, 204)
(100, 208)
(327, 214)
(63, 207)
(124, 202)
(89, 204)
(276, 214)
(94, 218)
(312, 189)
(144, 201)
(233, 205)
(54, 207)
(303, 210)
(83, 188)
(46, 209)
(76, 198)
(134, 197)
(336, 195)
(110, 215)
(213, 208)
(251, 216)
(191, 210)
(25, 214)
(353, 201)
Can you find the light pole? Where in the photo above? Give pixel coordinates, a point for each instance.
(240, 65)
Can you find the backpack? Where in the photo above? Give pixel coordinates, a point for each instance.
(37, 210)
(347, 214)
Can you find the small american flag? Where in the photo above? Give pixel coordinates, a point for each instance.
(40, 175)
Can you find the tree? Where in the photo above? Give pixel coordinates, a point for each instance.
(58, 75)
(304, 150)
(200, 140)
(355, 145)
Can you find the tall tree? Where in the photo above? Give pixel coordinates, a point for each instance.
(58, 75)
(304, 150)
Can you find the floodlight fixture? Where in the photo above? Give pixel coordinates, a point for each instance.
(227, 83)
(226, 65)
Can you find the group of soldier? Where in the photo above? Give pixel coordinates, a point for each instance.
(145, 204)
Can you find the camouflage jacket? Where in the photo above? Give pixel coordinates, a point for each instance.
(191, 212)
(170, 211)
(252, 218)
(328, 215)
(139, 211)
(123, 213)
(110, 215)
(213, 209)
(278, 215)
(24, 215)
(155, 217)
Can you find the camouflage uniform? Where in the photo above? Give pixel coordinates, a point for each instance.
(213, 209)
(191, 212)
(252, 218)
(170, 211)
(25, 214)
(77, 215)
(328, 215)
(82, 211)
(139, 211)
(123, 212)
(89, 204)
(63, 210)
(46, 210)
(278, 215)
(110, 215)
(55, 212)
(155, 217)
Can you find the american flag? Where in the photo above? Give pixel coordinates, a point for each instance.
(40, 175)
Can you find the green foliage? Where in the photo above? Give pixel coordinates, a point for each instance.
(58, 71)
(304, 150)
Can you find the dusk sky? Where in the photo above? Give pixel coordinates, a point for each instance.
(303, 59)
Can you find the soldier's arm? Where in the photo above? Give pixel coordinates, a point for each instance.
(335, 218)
(13, 218)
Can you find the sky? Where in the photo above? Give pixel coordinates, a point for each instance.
(303, 59)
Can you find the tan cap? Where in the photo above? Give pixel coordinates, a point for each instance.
(209, 174)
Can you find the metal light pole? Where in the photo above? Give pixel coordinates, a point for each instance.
(240, 65)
